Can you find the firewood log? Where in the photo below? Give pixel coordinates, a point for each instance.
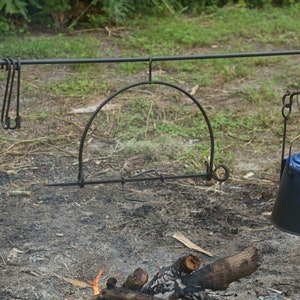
(218, 275)
(177, 282)
(215, 276)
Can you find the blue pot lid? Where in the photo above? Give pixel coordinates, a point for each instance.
(295, 162)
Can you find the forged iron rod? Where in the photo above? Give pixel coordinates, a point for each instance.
(152, 58)
(123, 180)
(149, 59)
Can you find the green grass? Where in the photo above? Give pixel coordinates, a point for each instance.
(161, 123)
(237, 26)
(49, 46)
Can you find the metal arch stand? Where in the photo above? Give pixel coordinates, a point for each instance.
(210, 172)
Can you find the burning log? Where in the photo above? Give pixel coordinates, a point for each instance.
(184, 280)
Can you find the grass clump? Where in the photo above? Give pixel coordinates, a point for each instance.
(48, 47)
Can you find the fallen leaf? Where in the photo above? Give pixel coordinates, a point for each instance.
(181, 238)
(194, 90)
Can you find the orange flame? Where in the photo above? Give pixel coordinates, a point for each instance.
(95, 283)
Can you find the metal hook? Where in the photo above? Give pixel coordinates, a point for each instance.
(286, 111)
(11, 68)
(123, 181)
(18, 118)
(4, 120)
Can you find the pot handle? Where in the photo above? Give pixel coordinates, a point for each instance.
(291, 143)
(290, 152)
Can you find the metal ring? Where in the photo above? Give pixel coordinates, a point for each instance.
(226, 173)
(286, 111)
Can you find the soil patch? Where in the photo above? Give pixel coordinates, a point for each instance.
(71, 232)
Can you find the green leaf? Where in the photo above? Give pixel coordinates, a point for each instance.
(14, 7)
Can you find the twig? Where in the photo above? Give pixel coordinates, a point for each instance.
(20, 193)
(278, 292)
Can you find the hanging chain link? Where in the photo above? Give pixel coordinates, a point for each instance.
(287, 103)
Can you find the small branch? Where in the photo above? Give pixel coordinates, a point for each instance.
(19, 193)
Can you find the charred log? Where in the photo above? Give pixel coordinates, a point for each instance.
(183, 266)
(111, 283)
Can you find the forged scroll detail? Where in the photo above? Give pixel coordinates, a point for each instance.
(217, 170)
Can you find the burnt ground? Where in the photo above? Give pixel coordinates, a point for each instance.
(73, 232)
(49, 234)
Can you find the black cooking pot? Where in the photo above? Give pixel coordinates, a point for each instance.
(286, 211)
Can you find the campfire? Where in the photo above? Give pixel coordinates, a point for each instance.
(184, 279)
(95, 283)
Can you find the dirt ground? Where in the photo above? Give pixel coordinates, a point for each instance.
(52, 234)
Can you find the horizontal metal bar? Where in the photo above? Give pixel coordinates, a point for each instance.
(131, 179)
(152, 58)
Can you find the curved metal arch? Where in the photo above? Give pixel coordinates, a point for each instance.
(209, 172)
(128, 87)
